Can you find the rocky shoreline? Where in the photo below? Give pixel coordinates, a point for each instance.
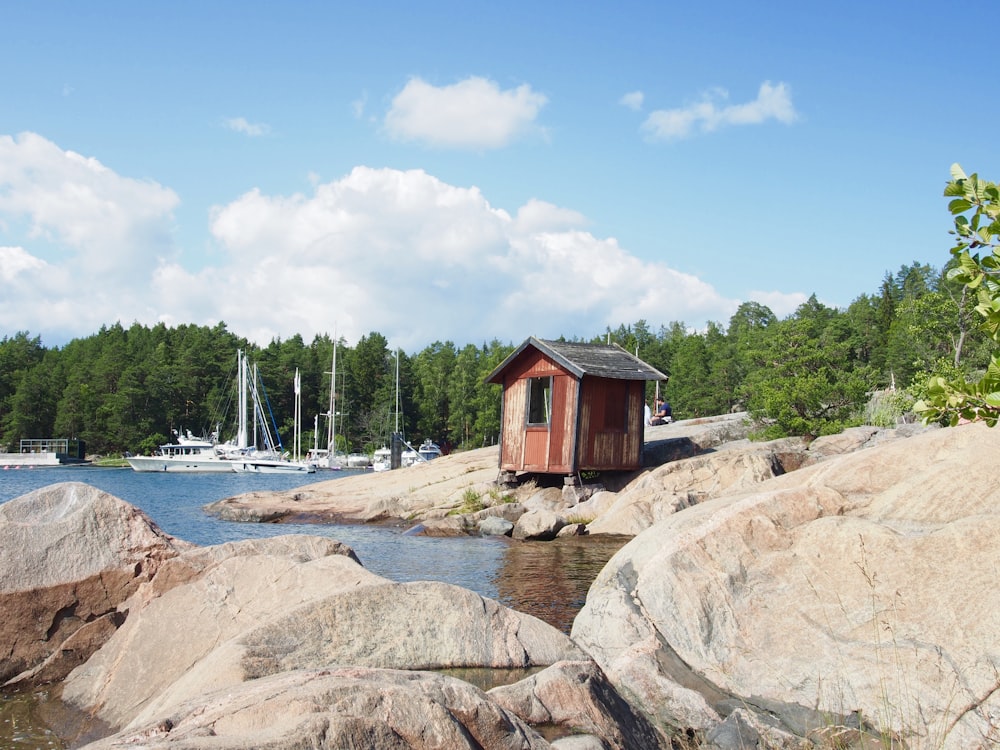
(781, 594)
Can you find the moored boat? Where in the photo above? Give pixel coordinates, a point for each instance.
(255, 462)
(428, 451)
(188, 454)
(382, 459)
(322, 459)
(358, 461)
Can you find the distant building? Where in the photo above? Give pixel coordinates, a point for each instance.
(570, 407)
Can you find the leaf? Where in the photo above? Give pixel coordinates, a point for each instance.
(956, 172)
(960, 205)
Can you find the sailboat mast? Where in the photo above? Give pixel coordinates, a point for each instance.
(241, 429)
(297, 418)
(256, 408)
(331, 413)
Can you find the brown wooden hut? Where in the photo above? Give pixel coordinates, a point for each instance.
(570, 407)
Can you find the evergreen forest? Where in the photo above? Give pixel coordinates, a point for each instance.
(814, 372)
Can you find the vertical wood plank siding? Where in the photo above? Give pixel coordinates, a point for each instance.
(611, 441)
(544, 448)
(597, 405)
(515, 403)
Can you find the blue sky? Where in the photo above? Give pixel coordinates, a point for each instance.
(470, 171)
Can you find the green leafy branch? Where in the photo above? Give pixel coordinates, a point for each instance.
(975, 205)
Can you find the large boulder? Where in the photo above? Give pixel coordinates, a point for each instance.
(347, 707)
(200, 601)
(70, 554)
(663, 491)
(538, 524)
(280, 609)
(429, 489)
(677, 440)
(853, 591)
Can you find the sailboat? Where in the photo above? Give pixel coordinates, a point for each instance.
(247, 458)
(329, 457)
(382, 458)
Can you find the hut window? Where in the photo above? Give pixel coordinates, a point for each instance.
(539, 400)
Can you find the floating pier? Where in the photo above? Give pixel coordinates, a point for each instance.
(46, 452)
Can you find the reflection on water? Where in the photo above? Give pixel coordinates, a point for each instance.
(550, 580)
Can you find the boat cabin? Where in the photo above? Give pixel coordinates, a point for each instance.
(570, 407)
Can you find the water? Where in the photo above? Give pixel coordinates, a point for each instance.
(175, 502)
(546, 579)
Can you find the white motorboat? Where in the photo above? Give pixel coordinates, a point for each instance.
(428, 451)
(358, 460)
(265, 462)
(382, 459)
(322, 459)
(189, 454)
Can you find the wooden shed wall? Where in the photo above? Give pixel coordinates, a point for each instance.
(611, 430)
(548, 448)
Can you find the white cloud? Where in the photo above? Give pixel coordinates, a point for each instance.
(633, 100)
(417, 259)
(241, 125)
(89, 237)
(539, 216)
(81, 208)
(399, 252)
(471, 114)
(14, 261)
(773, 102)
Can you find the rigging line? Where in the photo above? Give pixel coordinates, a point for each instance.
(270, 413)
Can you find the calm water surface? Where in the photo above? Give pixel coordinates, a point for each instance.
(546, 579)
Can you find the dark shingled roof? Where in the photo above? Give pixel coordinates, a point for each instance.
(598, 360)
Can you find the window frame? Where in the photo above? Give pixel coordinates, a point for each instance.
(539, 397)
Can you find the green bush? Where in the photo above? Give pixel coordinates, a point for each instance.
(888, 408)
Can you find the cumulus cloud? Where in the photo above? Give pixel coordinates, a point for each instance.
(399, 252)
(241, 125)
(82, 208)
(87, 237)
(14, 262)
(471, 114)
(404, 253)
(540, 216)
(712, 111)
(633, 100)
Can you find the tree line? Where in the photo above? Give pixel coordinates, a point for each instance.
(810, 373)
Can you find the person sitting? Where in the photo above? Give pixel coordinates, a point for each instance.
(663, 413)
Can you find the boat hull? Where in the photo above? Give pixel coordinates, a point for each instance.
(271, 467)
(185, 464)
